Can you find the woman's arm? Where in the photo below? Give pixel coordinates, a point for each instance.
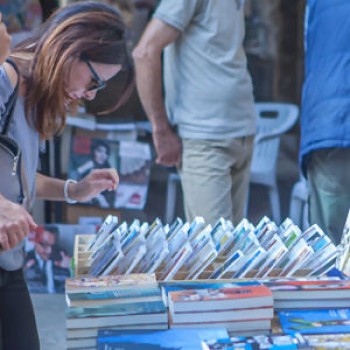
(5, 41)
(97, 181)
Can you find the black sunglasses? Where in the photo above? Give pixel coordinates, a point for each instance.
(96, 83)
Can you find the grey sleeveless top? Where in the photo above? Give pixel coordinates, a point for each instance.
(29, 142)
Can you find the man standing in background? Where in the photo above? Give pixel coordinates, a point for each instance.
(208, 96)
(325, 117)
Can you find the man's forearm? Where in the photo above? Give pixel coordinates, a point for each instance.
(149, 86)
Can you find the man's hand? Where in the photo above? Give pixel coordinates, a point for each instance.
(5, 41)
(168, 147)
(15, 224)
(97, 181)
(64, 263)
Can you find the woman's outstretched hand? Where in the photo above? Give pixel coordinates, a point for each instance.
(97, 181)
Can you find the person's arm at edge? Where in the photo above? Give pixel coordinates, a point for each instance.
(97, 181)
(15, 221)
(147, 59)
(5, 41)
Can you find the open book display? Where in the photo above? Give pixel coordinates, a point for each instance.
(188, 251)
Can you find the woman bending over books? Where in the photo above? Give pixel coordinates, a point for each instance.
(69, 58)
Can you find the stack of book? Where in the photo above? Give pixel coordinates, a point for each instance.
(310, 294)
(195, 250)
(121, 302)
(244, 310)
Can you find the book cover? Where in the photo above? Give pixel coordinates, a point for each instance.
(275, 254)
(112, 282)
(173, 286)
(109, 224)
(131, 308)
(220, 299)
(109, 297)
(329, 341)
(130, 346)
(205, 257)
(175, 263)
(174, 228)
(196, 227)
(310, 289)
(249, 262)
(297, 259)
(290, 235)
(131, 159)
(228, 265)
(198, 244)
(222, 238)
(156, 257)
(133, 257)
(315, 321)
(106, 258)
(268, 342)
(89, 153)
(179, 339)
(48, 253)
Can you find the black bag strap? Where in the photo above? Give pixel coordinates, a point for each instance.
(11, 102)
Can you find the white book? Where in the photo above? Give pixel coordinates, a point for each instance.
(343, 258)
(240, 325)
(206, 256)
(109, 225)
(249, 262)
(175, 263)
(274, 255)
(228, 265)
(223, 316)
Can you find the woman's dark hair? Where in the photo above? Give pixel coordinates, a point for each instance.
(95, 144)
(89, 30)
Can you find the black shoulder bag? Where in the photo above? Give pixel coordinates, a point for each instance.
(13, 182)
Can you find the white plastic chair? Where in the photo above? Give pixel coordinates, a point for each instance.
(273, 120)
(298, 207)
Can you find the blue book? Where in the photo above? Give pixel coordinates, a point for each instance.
(267, 342)
(132, 346)
(118, 310)
(117, 296)
(179, 339)
(323, 321)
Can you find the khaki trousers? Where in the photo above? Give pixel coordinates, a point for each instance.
(328, 173)
(215, 178)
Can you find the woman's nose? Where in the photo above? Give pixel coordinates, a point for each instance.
(90, 95)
